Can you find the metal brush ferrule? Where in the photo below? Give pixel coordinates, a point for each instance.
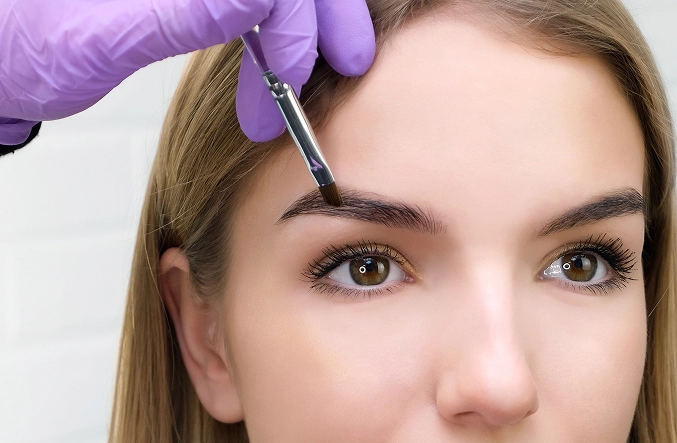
(294, 117)
(301, 131)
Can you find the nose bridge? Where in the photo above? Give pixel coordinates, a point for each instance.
(493, 294)
(488, 291)
(491, 291)
(488, 379)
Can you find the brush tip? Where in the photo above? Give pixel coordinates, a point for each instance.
(331, 195)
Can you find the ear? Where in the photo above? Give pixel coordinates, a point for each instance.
(194, 321)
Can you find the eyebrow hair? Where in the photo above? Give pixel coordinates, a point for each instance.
(369, 207)
(614, 204)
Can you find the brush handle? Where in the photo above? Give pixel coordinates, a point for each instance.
(302, 133)
(292, 112)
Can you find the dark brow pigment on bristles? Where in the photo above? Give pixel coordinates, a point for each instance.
(369, 207)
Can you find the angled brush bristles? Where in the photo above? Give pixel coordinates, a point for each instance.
(331, 194)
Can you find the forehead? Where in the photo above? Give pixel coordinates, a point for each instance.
(460, 119)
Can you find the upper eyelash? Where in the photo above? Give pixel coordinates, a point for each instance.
(335, 256)
(622, 261)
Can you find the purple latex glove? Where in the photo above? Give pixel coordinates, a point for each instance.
(59, 57)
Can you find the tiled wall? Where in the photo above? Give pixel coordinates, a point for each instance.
(69, 206)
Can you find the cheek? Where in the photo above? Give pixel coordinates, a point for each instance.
(308, 369)
(592, 362)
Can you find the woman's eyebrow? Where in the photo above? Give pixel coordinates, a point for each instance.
(369, 207)
(613, 204)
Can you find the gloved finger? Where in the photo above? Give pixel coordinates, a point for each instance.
(62, 56)
(289, 41)
(180, 26)
(259, 116)
(346, 35)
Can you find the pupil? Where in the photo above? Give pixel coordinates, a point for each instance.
(579, 267)
(369, 271)
(581, 262)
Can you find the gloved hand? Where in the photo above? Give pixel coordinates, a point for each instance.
(59, 57)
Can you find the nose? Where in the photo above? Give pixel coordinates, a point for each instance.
(497, 390)
(488, 382)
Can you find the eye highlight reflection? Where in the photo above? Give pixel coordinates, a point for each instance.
(577, 266)
(597, 265)
(364, 270)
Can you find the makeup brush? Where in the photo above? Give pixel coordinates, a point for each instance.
(296, 120)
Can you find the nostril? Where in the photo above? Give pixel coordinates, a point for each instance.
(510, 409)
(496, 409)
(488, 394)
(511, 395)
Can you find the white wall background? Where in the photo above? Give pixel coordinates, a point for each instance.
(69, 207)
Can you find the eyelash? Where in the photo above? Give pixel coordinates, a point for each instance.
(335, 256)
(622, 262)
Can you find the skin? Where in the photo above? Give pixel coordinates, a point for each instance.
(477, 346)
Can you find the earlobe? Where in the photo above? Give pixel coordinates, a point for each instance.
(194, 322)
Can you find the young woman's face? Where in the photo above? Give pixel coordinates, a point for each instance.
(483, 281)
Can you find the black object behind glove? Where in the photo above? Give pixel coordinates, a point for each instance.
(7, 149)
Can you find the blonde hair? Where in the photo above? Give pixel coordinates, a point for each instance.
(203, 160)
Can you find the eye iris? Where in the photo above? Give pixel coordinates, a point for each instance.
(579, 267)
(369, 271)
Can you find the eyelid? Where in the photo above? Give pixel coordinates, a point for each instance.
(379, 249)
(552, 256)
(558, 264)
(596, 245)
(407, 267)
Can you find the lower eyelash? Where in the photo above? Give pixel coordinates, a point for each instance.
(354, 293)
(602, 288)
(621, 261)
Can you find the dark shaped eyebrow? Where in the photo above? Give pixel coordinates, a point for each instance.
(369, 207)
(614, 204)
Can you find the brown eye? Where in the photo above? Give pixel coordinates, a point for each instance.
(578, 266)
(368, 271)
